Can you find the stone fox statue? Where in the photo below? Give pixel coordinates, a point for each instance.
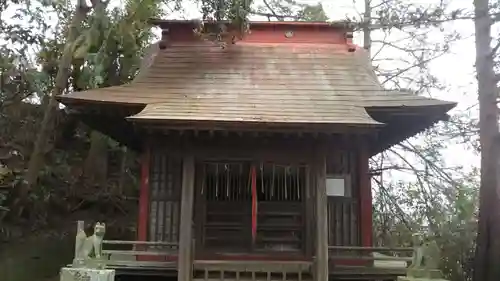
(85, 245)
(426, 259)
(426, 254)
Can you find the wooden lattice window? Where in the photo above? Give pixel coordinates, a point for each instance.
(164, 206)
(226, 190)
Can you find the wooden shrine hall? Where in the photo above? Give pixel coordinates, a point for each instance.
(255, 155)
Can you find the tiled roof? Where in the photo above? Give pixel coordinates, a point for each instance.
(256, 82)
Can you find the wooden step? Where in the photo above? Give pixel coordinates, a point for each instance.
(211, 270)
(250, 279)
(251, 276)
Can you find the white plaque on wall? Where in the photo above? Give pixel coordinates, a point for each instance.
(335, 187)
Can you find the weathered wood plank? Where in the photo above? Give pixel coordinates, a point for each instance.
(186, 221)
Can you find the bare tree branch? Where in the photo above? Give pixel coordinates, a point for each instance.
(272, 11)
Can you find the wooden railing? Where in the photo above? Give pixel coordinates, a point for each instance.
(366, 253)
(141, 253)
(371, 258)
(162, 256)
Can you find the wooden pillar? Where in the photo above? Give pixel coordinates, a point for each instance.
(365, 197)
(142, 225)
(321, 268)
(185, 262)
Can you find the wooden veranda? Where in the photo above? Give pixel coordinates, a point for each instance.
(159, 259)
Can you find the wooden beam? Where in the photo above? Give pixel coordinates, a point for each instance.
(186, 220)
(321, 268)
(290, 128)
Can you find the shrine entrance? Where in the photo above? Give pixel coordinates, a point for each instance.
(249, 208)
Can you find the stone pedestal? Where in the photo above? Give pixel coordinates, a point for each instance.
(407, 278)
(420, 274)
(85, 274)
(424, 273)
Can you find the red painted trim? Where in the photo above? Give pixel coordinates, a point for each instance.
(169, 258)
(144, 198)
(253, 176)
(222, 257)
(365, 198)
(299, 33)
(238, 257)
(142, 225)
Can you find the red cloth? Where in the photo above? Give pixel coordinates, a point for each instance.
(254, 202)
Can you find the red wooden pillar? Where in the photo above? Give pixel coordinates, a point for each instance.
(144, 193)
(142, 226)
(365, 197)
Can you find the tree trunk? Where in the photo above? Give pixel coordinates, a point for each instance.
(367, 39)
(123, 170)
(487, 252)
(96, 163)
(46, 127)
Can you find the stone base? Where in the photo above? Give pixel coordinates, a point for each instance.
(407, 278)
(424, 273)
(85, 274)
